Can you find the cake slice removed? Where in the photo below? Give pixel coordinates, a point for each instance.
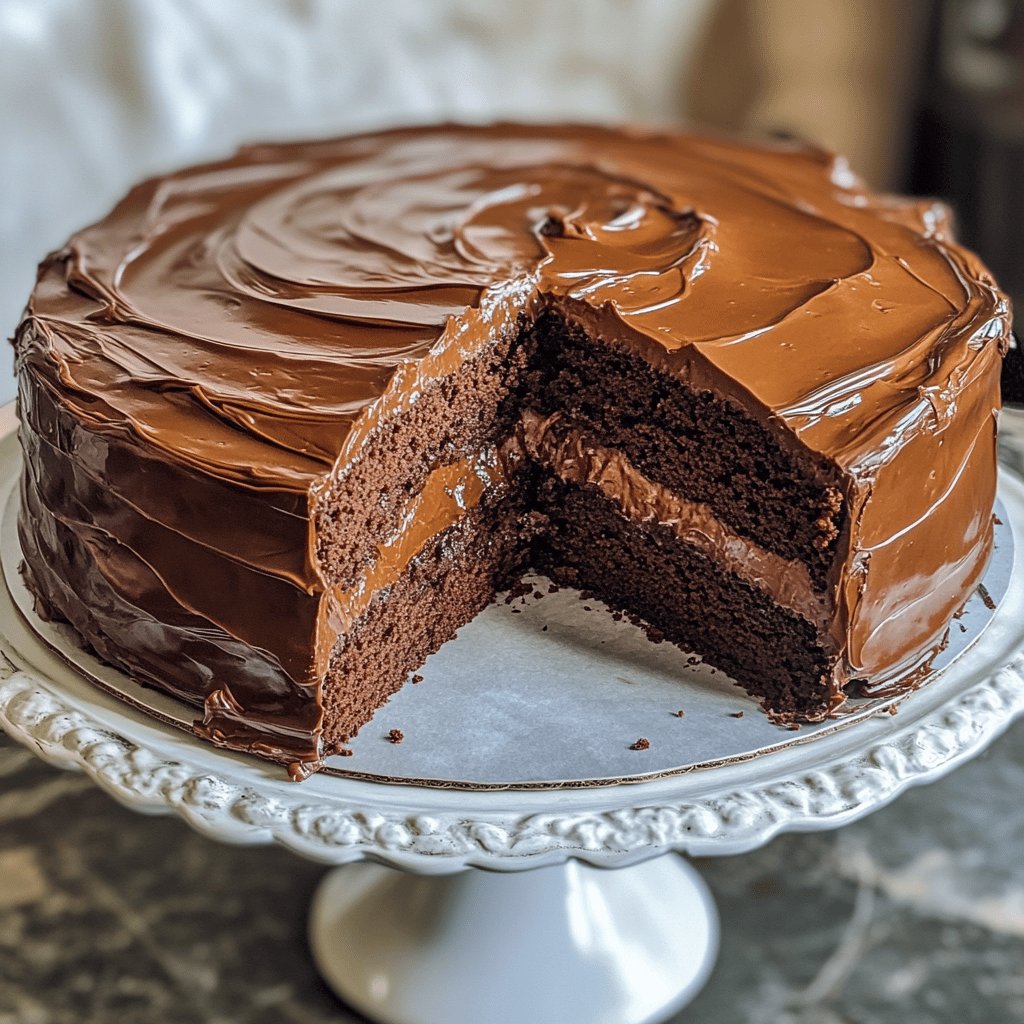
(581, 460)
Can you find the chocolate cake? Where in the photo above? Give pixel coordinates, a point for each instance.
(291, 419)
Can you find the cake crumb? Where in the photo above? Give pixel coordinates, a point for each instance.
(679, 714)
(963, 628)
(587, 608)
(520, 590)
(736, 714)
(543, 629)
(396, 736)
(986, 597)
(537, 595)
(997, 521)
(617, 616)
(344, 752)
(892, 709)
(641, 744)
(417, 678)
(553, 588)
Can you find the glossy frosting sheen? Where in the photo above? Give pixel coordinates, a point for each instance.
(196, 368)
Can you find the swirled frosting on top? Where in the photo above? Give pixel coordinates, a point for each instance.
(248, 322)
(263, 303)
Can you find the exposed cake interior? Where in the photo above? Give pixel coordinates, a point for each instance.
(560, 451)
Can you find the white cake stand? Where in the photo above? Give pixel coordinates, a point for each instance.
(563, 942)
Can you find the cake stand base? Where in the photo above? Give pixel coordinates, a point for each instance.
(557, 945)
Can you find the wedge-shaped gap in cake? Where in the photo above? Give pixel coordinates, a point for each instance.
(556, 449)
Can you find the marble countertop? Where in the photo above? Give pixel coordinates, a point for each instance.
(913, 915)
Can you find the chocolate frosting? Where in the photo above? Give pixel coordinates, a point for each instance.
(197, 368)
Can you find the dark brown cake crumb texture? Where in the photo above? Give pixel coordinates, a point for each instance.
(641, 744)
(450, 582)
(696, 444)
(396, 736)
(518, 590)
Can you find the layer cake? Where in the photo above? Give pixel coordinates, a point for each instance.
(291, 419)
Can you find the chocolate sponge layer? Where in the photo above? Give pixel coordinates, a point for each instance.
(694, 443)
(443, 588)
(643, 568)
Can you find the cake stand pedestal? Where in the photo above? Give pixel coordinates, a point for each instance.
(461, 903)
(558, 945)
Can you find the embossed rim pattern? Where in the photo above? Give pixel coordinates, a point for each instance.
(732, 809)
(727, 821)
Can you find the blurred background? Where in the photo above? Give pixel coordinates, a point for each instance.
(915, 914)
(921, 95)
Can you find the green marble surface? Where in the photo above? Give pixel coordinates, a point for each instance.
(915, 914)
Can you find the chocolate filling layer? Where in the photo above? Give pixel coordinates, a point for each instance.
(577, 460)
